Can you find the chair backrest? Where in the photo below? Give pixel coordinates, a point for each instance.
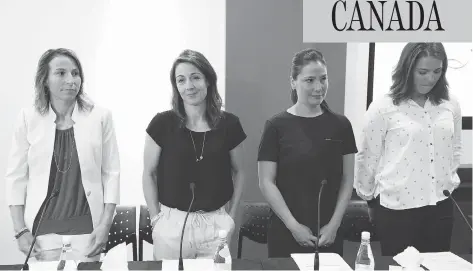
(356, 220)
(255, 221)
(144, 230)
(123, 229)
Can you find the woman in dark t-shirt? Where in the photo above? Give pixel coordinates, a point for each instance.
(299, 148)
(192, 150)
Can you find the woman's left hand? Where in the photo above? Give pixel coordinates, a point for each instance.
(98, 240)
(328, 234)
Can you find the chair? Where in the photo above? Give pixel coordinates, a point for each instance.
(255, 224)
(357, 220)
(145, 232)
(123, 229)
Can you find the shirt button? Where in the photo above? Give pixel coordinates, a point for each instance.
(433, 177)
(431, 144)
(431, 160)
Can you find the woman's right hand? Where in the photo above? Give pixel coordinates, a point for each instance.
(24, 243)
(303, 235)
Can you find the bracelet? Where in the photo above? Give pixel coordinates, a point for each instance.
(21, 232)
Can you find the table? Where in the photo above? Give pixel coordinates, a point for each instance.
(382, 263)
(237, 264)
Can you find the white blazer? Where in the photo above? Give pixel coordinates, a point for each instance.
(29, 162)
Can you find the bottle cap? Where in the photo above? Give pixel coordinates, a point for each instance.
(222, 234)
(66, 240)
(365, 235)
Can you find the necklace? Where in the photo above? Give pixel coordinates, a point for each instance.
(70, 158)
(198, 159)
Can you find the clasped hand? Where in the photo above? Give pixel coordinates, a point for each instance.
(304, 236)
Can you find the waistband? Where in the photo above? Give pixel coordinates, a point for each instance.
(218, 211)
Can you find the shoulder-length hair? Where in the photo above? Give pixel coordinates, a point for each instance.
(402, 82)
(42, 96)
(213, 100)
(299, 61)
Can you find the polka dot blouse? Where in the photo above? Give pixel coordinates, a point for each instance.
(409, 154)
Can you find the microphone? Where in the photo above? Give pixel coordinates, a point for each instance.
(446, 193)
(53, 195)
(316, 256)
(181, 263)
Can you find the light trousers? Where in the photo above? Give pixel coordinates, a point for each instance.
(51, 247)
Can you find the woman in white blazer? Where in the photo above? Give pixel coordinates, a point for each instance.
(63, 148)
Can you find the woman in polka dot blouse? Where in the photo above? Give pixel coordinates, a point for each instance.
(409, 153)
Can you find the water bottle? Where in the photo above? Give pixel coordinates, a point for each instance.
(364, 258)
(66, 261)
(222, 257)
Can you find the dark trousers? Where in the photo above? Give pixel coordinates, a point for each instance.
(281, 243)
(428, 228)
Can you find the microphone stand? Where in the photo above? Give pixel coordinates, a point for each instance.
(316, 256)
(25, 264)
(448, 194)
(181, 262)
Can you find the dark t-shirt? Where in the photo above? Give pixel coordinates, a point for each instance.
(178, 167)
(308, 150)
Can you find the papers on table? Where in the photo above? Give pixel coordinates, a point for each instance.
(116, 258)
(445, 261)
(409, 258)
(51, 265)
(328, 261)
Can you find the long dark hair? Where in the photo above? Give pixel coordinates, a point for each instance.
(42, 96)
(402, 86)
(299, 61)
(213, 112)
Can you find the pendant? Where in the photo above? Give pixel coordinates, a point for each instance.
(199, 159)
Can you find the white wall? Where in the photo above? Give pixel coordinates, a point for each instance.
(356, 84)
(126, 49)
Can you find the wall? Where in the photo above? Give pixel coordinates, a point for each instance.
(260, 46)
